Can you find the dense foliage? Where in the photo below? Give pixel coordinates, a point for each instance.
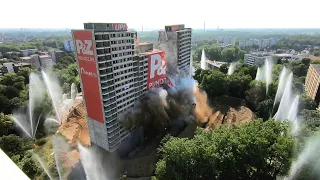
(215, 52)
(254, 150)
(41, 45)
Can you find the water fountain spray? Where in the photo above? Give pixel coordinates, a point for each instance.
(55, 92)
(203, 60)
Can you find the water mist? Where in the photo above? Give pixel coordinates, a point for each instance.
(203, 60)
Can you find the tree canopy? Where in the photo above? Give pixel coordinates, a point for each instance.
(255, 150)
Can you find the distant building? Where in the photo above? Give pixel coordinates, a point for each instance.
(288, 57)
(35, 61)
(273, 41)
(24, 53)
(254, 42)
(55, 54)
(9, 67)
(68, 45)
(45, 60)
(243, 44)
(26, 59)
(264, 43)
(256, 59)
(215, 64)
(226, 41)
(18, 66)
(27, 52)
(313, 82)
(176, 41)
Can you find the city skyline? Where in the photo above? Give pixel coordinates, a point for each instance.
(222, 14)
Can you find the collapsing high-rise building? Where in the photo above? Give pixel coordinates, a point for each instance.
(115, 72)
(176, 41)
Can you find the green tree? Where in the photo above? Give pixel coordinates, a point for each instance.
(228, 54)
(69, 75)
(311, 119)
(255, 94)
(13, 145)
(224, 68)
(238, 85)
(251, 71)
(215, 84)
(24, 72)
(29, 166)
(307, 103)
(6, 124)
(264, 109)
(255, 150)
(306, 61)
(214, 52)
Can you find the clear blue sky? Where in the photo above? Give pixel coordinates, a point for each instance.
(156, 14)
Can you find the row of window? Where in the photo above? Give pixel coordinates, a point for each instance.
(125, 99)
(120, 48)
(184, 43)
(110, 106)
(102, 44)
(123, 72)
(111, 100)
(184, 35)
(107, 77)
(124, 94)
(122, 54)
(119, 90)
(122, 60)
(124, 83)
(109, 113)
(125, 105)
(104, 65)
(103, 51)
(123, 77)
(104, 58)
(122, 66)
(121, 35)
(122, 41)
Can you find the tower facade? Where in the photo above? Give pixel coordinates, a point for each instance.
(113, 77)
(176, 41)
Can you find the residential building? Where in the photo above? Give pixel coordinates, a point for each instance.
(214, 64)
(68, 45)
(35, 61)
(26, 59)
(45, 60)
(264, 43)
(115, 72)
(243, 44)
(24, 53)
(254, 42)
(175, 40)
(226, 41)
(9, 67)
(55, 54)
(256, 59)
(313, 82)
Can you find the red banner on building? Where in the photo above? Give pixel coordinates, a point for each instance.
(157, 69)
(84, 47)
